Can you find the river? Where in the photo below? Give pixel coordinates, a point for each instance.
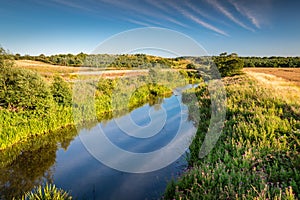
(66, 161)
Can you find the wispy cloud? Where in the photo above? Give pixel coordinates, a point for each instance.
(229, 15)
(246, 12)
(171, 12)
(138, 22)
(159, 5)
(206, 25)
(198, 10)
(143, 21)
(197, 20)
(143, 11)
(72, 4)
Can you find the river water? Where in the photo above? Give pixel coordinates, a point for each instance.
(66, 160)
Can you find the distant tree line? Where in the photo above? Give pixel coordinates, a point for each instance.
(128, 61)
(60, 59)
(102, 60)
(271, 61)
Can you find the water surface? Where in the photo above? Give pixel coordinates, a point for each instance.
(63, 159)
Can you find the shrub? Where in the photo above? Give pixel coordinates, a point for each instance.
(190, 66)
(61, 91)
(22, 89)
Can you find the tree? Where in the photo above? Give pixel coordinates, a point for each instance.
(22, 89)
(190, 66)
(229, 65)
(2, 53)
(61, 91)
(5, 58)
(17, 56)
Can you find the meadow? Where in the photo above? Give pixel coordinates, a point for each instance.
(257, 155)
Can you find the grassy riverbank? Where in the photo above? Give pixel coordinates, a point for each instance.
(32, 105)
(257, 155)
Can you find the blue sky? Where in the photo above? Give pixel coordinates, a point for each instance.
(247, 27)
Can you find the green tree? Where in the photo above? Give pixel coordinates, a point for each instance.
(229, 65)
(61, 91)
(5, 58)
(190, 66)
(22, 89)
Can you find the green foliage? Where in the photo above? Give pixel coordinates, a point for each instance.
(125, 61)
(2, 54)
(38, 156)
(229, 65)
(145, 61)
(23, 90)
(49, 192)
(117, 95)
(257, 155)
(148, 93)
(6, 60)
(106, 86)
(272, 61)
(125, 94)
(61, 91)
(190, 66)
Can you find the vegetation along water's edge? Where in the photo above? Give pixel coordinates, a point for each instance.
(40, 107)
(257, 155)
(32, 104)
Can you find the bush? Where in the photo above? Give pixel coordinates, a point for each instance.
(22, 89)
(190, 66)
(61, 91)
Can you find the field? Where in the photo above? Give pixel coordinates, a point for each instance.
(285, 82)
(69, 73)
(46, 70)
(289, 74)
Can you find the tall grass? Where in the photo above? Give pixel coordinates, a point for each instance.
(20, 126)
(109, 97)
(256, 157)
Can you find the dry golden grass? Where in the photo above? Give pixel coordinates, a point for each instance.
(44, 67)
(71, 73)
(288, 91)
(68, 73)
(48, 70)
(289, 74)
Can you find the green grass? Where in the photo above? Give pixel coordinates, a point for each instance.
(257, 155)
(21, 126)
(28, 133)
(107, 98)
(49, 192)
